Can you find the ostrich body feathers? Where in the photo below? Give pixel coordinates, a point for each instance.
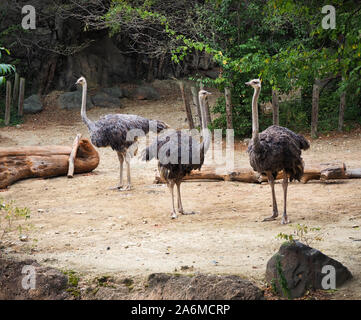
(178, 153)
(278, 149)
(111, 130)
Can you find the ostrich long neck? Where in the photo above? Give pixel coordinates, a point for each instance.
(255, 124)
(205, 132)
(84, 117)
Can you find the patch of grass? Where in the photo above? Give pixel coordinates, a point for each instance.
(282, 279)
(11, 214)
(73, 283)
(274, 286)
(104, 281)
(129, 283)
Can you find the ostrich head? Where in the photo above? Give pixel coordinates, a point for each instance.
(203, 94)
(255, 83)
(81, 81)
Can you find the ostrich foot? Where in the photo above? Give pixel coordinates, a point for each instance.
(285, 220)
(116, 187)
(187, 213)
(173, 215)
(273, 217)
(126, 188)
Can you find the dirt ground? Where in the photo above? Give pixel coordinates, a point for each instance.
(79, 224)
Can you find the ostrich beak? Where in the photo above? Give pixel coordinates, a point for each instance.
(248, 83)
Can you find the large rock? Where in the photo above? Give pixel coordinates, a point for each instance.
(50, 284)
(201, 287)
(104, 100)
(33, 104)
(297, 268)
(145, 92)
(72, 100)
(115, 92)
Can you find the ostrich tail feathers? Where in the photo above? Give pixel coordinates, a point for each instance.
(304, 144)
(297, 171)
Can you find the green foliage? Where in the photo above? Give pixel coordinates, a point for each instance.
(11, 217)
(283, 42)
(5, 68)
(282, 279)
(73, 283)
(302, 233)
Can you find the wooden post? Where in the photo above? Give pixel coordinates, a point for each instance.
(16, 89)
(8, 103)
(227, 94)
(315, 105)
(72, 156)
(186, 105)
(275, 108)
(341, 113)
(21, 97)
(196, 104)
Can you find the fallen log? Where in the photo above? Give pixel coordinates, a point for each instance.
(18, 163)
(354, 173)
(323, 171)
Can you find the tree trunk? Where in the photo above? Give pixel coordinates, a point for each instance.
(227, 94)
(49, 161)
(150, 71)
(21, 97)
(315, 106)
(7, 103)
(275, 108)
(341, 114)
(16, 90)
(186, 106)
(196, 104)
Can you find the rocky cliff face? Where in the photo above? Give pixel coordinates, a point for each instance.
(59, 51)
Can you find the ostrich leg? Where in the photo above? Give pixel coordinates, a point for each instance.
(285, 185)
(271, 181)
(129, 184)
(180, 206)
(171, 189)
(121, 160)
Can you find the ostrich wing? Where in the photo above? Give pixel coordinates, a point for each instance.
(112, 130)
(175, 148)
(279, 149)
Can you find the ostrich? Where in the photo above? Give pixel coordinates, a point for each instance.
(112, 129)
(189, 155)
(275, 149)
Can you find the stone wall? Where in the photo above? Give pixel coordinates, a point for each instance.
(59, 51)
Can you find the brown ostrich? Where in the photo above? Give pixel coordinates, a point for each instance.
(187, 151)
(112, 130)
(275, 149)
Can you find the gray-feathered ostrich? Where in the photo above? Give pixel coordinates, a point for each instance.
(275, 149)
(179, 153)
(112, 130)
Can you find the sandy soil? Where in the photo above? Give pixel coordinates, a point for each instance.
(79, 224)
